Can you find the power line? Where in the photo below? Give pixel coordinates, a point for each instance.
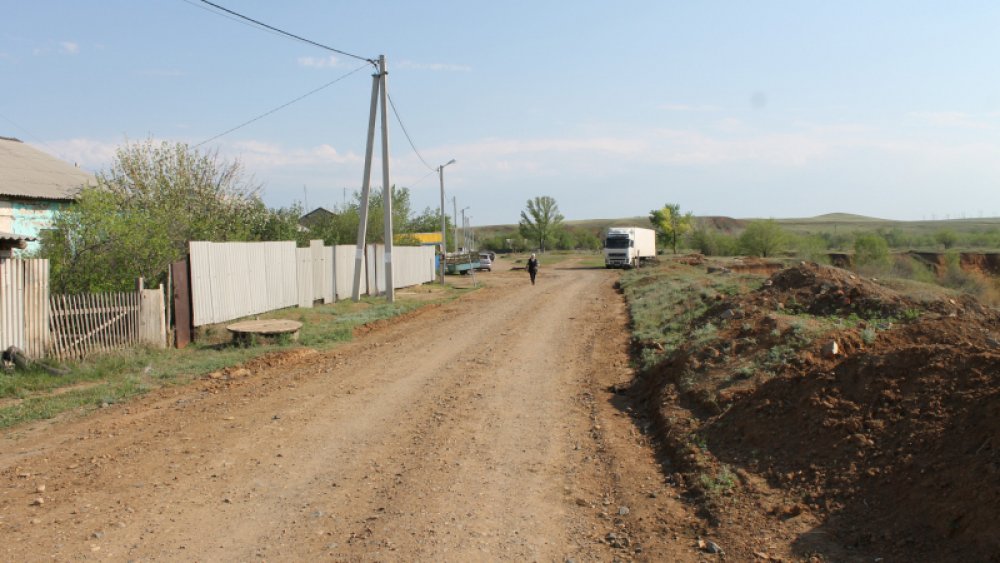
(36, 138)
(282, 106)
(428, 175)
(407, 134)
(196, 4)
(287, 34)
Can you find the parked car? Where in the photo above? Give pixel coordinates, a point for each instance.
(485, 262)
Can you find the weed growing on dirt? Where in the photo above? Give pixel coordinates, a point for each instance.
(868, 335)
(705, 334)
(724, 480)
(777, 357)
(664, 301)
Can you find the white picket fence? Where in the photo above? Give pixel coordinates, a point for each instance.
(231, 280)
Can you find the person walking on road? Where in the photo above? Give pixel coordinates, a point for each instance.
(532, 268)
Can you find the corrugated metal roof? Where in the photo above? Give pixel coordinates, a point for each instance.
(28, 172)
(4, 236)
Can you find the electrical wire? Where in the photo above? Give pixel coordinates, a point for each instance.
(282, 106)
(197, 4)
(285, 33)
(425, 176)
(34, 137)
(407, 134)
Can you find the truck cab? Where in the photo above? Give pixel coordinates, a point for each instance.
(628, 247)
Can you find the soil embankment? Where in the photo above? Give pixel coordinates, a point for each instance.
(836, 409)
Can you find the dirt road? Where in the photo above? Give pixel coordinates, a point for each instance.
(478, 430)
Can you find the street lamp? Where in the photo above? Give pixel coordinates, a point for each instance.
(444, 233)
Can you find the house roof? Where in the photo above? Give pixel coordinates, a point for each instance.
(30, 173)
(5, 236)
(315, 215)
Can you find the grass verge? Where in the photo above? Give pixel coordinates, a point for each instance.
(35, 394)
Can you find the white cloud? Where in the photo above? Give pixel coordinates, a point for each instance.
(436, 67)
(69, 48)
(89, 154)
(260, 154)
(319, 62)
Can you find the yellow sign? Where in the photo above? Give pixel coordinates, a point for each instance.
(424, 238)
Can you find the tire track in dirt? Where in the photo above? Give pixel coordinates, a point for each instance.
(459, 434)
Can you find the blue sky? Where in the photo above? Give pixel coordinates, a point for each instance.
(745, 109)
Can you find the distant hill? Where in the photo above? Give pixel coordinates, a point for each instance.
(841, 217)
(829, 222)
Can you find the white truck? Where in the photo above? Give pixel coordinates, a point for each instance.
(628, 247)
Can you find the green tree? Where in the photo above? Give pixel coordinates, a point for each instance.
(540, 220)
(564, 239)
(763, 238)
(376, 213)
(145, 208)
(711, 242)
(587, 240)
(429, 221)
(811, 247)
(670, 224)
(871, 250)
(342, 227)
(339, 228)
(946, 238)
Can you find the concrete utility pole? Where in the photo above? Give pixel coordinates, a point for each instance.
(465, 233)
(454, 218)
(444, 227)
(390, 291)
(378, 86)
(359, 255)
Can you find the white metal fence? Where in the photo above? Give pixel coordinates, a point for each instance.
(231, 280)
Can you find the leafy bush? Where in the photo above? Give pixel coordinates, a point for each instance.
(812, 248)
(763, 238)
(871, 251)
(712, 243)
(143, 211)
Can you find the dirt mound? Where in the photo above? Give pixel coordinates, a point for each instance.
(988, 263)
(724, 224)
(755, 266)
(694, 259)
(835, 399)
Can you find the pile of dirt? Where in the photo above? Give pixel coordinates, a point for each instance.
(694, 259)
(723, 224)
(835, 400)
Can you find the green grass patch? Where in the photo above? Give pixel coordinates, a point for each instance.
(663, 302)
(112, 378)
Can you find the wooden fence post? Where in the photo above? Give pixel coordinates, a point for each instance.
(152, 321)
(182, 303)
